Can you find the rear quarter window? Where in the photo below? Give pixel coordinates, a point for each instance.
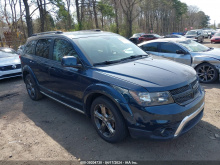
(30, 47)
(43, 48)
(152, 47)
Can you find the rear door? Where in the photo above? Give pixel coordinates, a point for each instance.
(168, 50)
(151, 48)
(149, 37)
(42, 61)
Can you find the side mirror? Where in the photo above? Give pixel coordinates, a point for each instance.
(181, 52)
(70, 61)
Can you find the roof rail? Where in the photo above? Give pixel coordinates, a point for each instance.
(50, 32)
(94, 30)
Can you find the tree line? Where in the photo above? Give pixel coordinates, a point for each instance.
(124, 17)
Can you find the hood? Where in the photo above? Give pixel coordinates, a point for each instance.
(215, 37)
(152, 74)
(9, 61)
(190, 36)
(214, 53)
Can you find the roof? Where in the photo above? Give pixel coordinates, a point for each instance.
(75, 34)
(164, 40)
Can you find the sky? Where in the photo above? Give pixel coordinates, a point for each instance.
(209, 7)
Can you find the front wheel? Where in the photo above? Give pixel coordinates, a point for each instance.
(107, 120)
(207, 73)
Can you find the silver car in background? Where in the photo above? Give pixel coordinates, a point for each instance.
(205, 60)
(10, 65)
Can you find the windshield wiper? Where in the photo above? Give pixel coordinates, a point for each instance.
(208, 50)
(106, 62)
(116, 61)
(133, 56)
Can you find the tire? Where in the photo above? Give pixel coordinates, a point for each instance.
(202, 40)
(107, 120)
(32, 88)
(207, 73)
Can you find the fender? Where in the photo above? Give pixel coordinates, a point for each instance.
(111, 93)
(204, 59)
(26, 68)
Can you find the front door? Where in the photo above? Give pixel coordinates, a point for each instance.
(168, 50)
(65, 81)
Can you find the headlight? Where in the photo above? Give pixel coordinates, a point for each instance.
(151, 99)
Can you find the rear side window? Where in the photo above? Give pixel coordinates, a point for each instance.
(169, 48)
(63, 48)
(43, 48)
(150, 36)
(30, 47)
(152, 47)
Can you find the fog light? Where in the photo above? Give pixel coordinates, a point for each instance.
(162, 121)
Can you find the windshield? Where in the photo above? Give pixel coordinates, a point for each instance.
(217, 34)
(193, 46)
(137, 35)
(108, 48)
(7, 52)
(158, 36)
(191, 33)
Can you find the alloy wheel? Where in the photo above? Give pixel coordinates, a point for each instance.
(206, 73)
(104, 120)
(30, 87)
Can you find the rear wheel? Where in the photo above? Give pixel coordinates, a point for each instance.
(32, 88)
(202, 40)
(207, 73)
(107, 120)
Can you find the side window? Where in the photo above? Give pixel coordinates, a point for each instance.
(152, 47)
(43, 48)
(150, 36)
(169, 48)
(30, 47)
(63, 48)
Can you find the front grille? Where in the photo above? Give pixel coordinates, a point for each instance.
(186, 94)
(10, 67)
(10, 75)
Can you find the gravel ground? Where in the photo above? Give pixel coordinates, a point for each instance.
(46, 130)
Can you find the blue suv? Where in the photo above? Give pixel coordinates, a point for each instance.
(115, 83)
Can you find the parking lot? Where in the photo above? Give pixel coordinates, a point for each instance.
(47, 130)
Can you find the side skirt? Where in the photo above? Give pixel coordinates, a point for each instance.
(76, 109)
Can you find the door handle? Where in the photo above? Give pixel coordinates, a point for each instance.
(52, 68)
(31, 61)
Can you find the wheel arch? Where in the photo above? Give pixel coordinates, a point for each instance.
(97, 90)
(27, 70)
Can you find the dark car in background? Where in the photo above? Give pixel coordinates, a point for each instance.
(178, 33)
(115, 83)
(135, 37)
(213, 33)
(196, 35)
(148, 37)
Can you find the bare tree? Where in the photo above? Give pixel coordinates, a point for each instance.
(128, 7)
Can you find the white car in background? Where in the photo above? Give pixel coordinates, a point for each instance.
(10, 64)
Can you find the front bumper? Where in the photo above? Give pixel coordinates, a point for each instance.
(214, 40)
(167, 121)
(10, 73)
